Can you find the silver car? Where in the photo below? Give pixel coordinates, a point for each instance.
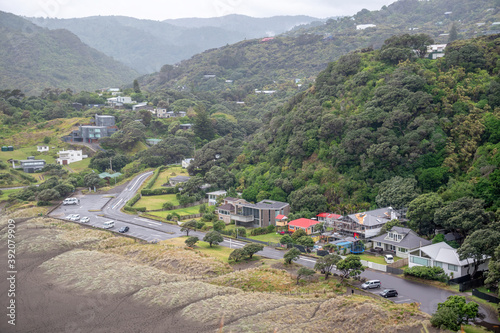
(85, 219)
(75, 217)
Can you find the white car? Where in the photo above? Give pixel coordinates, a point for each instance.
(75, 217)
(85, 219)
(69, 217)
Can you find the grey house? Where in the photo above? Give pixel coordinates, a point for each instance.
(400, 240)
(104, 120)
(104, 127)
(261, 214)
(31, 165)
(178, 180)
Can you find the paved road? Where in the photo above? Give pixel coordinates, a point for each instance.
(101, 208)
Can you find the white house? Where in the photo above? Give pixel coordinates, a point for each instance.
(42, 148)
(444, 256)
(70, 156)
(365, 26)
(400, 240)
(213, 196)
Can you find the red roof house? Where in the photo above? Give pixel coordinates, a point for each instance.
(302, 223)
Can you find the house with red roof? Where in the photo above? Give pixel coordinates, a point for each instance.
(306, 224)
(328, 217)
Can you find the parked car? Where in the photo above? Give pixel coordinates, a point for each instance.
(75, 217)
(389, 258)
(370, 284)
(389, 293)
(109, 224)
(123, 229)
(85, 219)
(69, 217)
(70, 201)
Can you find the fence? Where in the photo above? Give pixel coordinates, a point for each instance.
(393, 270)
(375, 266)
(187, 217)
(489, 298)
(467, 285)
(399, 263)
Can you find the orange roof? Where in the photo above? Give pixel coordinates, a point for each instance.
(280, 217)
(329, 215)
(303, 223)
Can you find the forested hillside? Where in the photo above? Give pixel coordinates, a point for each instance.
(147, 45)
(32, 58)
(375, 130)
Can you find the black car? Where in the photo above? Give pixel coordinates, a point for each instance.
(389, 293)
(123, 229)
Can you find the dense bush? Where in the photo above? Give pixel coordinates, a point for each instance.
(261, 231)
(133, 200)
(428, 273)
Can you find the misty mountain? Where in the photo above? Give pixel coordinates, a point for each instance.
(147, 45)
(33, 58)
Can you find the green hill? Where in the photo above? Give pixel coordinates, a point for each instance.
(33, 58)
(367, 121)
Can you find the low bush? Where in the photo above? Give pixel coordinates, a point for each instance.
(260, 231)
(427, 273)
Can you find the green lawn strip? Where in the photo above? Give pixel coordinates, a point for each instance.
(5, 193)
(271, 237)
(474, 329)
(375, 259)
(80, 165)
(153, 202)
(181, 211)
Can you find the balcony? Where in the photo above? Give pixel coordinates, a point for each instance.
(242, 218)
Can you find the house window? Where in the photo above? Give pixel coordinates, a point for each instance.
(379, 244)
(391, 235)
(221, 218)
(453, 268)
(419, 261)
(438, 264)
(400, 237)
(402, 250)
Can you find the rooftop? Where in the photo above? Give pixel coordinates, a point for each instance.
(268, 204)
(303, 223)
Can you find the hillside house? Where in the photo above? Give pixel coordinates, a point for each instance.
(328, 218)
(435, 51)
(366, 225)
(178, 180)
(70, 156)
(42, 148)
(186, 162)
(30, 165)
(444, 256)
(228, 208)
(104, 127)
(214, 196)
(118, 101)
(400, 241)
(185, 127)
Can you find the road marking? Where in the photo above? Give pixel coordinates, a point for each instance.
(117, 203)
(311, 260)
(155, 235)
(402, 301)
(138, 179)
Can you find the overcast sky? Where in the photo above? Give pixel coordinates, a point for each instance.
(161, 10)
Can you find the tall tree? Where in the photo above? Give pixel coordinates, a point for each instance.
(326, 264)
(350, 266)
(203, 127)
(137, 89)
(477, 246)
(463, 215)
(421, 212)
(453, 33)
(213, 237)
(397, 192)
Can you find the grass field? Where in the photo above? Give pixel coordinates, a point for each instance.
(219, 252)
(272, 237)
(181, 211)
(80, 165)
(5, 194)
(172, 171)
(153, 202)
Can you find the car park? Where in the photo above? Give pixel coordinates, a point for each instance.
(389, 293)
(370, 284)
(85, 219)
(124, 229)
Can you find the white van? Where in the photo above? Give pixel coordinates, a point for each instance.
(389, 258)
(109, 224)
(371, 284)
(70, 201)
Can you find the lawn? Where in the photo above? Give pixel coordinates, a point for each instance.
(219, 252)
(375, 259)
(474, 329)
(181, 211)
(80, 165)
(172, 171)
(5, 193)
(154, 202)
(272, 237)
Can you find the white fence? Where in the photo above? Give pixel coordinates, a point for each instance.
(375, 266)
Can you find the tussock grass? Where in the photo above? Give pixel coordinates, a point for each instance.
(173, 259)
(258, 279)
(91, 271)
(233, 307)
(24, 212)
(181, 294)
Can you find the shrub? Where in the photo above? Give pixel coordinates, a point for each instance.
(200, 225)
(270, 228)
(43, 203)
(427, 273)
(259, 231)
(140, 209)
(128, 208)
(241, 231)
(167, 206)
(133, 200)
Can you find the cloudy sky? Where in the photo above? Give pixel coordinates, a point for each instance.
(160, 10)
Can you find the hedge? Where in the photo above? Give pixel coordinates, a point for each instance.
(427, 273)
(159, 191)
(133, 200)
(134, 209)
(153, 179)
